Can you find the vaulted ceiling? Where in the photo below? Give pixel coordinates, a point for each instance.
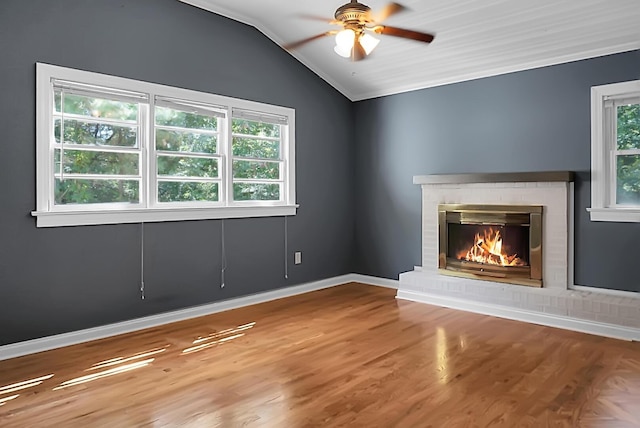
(474, 38)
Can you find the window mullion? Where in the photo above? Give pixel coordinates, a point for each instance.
(187, 130)
(84, 176)
(99, 149)
(627, 152)
(613, 179)
(609, 143)
(258, 180)
(182, 178)
(96, 120)
(285, 154)
(187, 154)
(249, 159)
(226, 150)
(256, 137)
(150, 154)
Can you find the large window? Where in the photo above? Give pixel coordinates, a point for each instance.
(115, 150)
(615, 152)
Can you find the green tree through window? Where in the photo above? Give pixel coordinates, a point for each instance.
(627, 159)
(113, 150)
(97, 157)
(187, 155)
(257, 160)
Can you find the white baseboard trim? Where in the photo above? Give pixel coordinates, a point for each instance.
(567, 323)
(374, 280)
(66, 339)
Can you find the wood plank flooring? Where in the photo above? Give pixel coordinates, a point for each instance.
(351, 355)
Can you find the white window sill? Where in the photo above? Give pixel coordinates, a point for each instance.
(85, 218)
(624, 215)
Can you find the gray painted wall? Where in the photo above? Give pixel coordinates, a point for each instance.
(63, 279)
(535, 120)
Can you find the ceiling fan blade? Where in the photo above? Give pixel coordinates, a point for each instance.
(357, 52)
(387, 11)
(401, 32)
(296, 45)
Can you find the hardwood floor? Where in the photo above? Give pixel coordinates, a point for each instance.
(347, 356)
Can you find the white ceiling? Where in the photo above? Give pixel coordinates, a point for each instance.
(474, 38)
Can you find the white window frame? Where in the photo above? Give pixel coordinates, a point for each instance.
(603, 156)
(50, 215)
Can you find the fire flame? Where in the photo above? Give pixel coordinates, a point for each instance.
(487, 248)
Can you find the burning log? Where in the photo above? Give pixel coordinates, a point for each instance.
(488, 249)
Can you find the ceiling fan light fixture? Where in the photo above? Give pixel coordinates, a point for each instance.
(345, 53)
(345, 39)
(368, 43)
(344, 42)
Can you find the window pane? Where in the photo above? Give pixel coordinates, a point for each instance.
(182, 166)
(628, 127)
(177, 141)
(256, 148)
(175, 191)
(248, 127)
(96, 134)
(170, 117)
(628, 180)
(256, 170)
(85, 162)
(256, 192)
(72, 191)
(97, 107)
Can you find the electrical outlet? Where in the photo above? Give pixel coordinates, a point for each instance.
(297, 257)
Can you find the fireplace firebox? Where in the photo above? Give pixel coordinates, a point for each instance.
(500, 243)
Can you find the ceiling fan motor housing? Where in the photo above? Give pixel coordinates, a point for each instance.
(353, 13)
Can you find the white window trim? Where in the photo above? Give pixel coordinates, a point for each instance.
(601, 173)
(50, 216)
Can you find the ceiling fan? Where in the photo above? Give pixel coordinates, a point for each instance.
(357, 21)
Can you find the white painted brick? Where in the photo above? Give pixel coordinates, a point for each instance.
(562, 303)
(532, 307)
(555, 298)
(617, 320)
(590, 316)
(587, 305)
(555, 310)
(627, 311)
(537, 300)
(632, 322)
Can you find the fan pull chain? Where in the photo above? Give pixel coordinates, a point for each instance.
(223, 262)
(286, 248)
(61, 136)
(142, 261)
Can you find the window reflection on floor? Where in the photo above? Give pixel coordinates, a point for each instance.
(217, 338)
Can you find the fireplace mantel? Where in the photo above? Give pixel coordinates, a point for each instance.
(496, 177)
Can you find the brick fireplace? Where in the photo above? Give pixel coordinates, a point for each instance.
(556, 303)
